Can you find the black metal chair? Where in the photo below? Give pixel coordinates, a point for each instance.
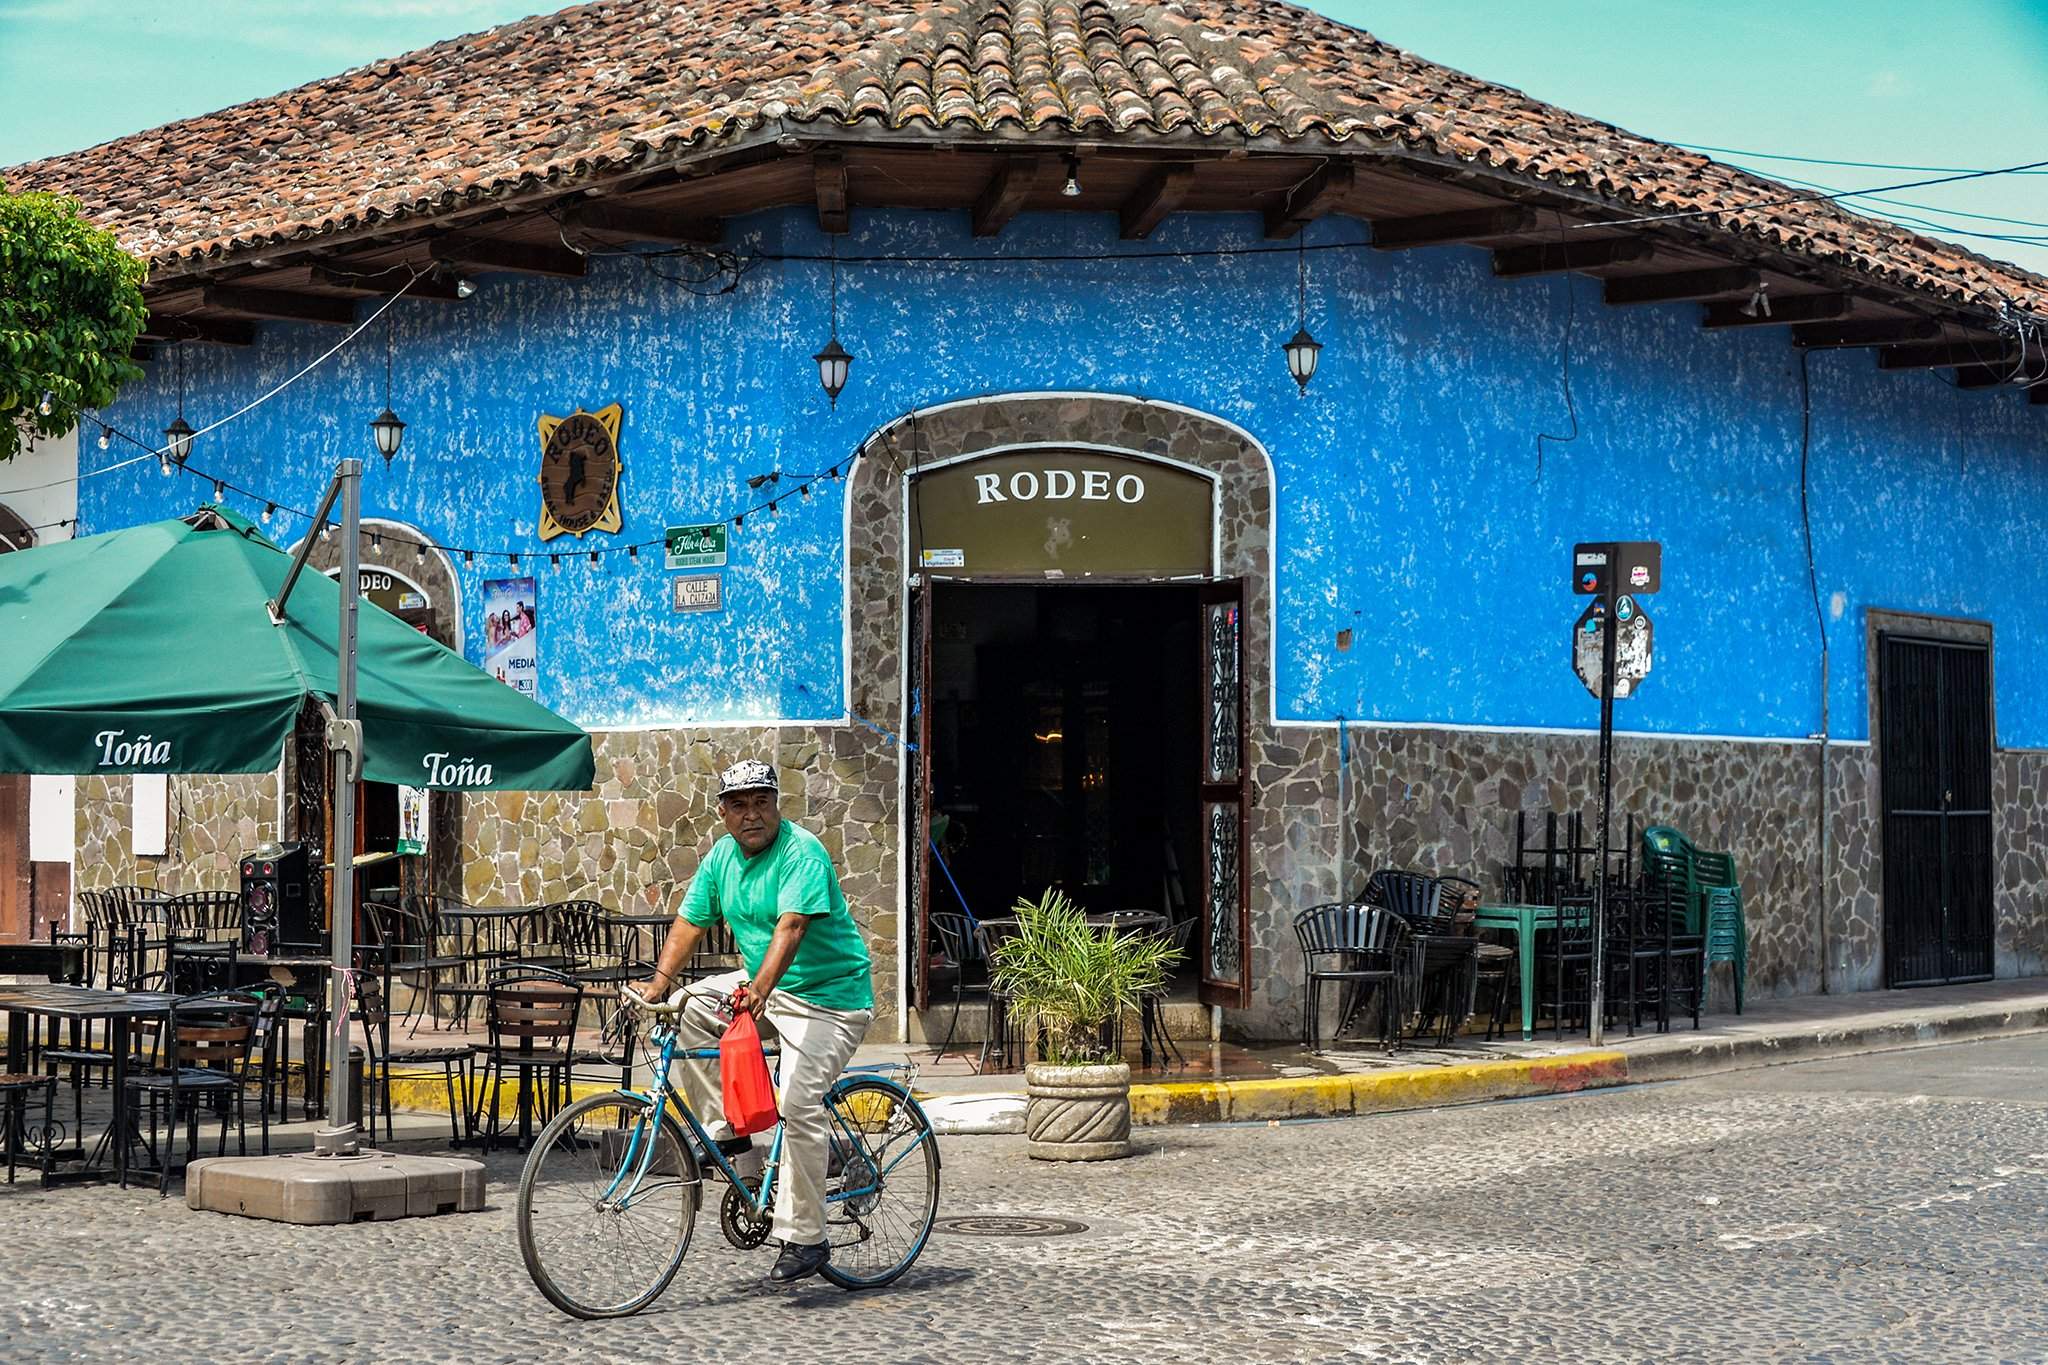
(372, 1012)
(403, 944)
(1364, 945)
(1662, 916)
(1441, 959)
(210, 1039)
(1494, 972)
(531, 1015)
(202, 931)
(962, 947)
(17, 1093)
(1152, 1004)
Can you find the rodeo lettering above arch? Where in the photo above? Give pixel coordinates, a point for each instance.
(1064, 513)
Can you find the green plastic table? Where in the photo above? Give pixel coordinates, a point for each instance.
(1523, 921)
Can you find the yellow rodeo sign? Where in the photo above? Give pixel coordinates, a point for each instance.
(579, 472)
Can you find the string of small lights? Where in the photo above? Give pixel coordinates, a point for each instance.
(781, 488)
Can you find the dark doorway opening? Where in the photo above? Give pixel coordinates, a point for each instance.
(1065, 745)
(1934, 715)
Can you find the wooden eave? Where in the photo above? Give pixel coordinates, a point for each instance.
(1139, 181)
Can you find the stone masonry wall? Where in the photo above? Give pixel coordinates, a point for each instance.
(212, 820)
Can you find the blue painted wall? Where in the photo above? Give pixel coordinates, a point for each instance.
(1411, 510)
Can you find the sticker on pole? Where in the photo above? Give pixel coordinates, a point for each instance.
(1633, 647)
(1634, 566)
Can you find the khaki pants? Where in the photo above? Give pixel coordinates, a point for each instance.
(817, 1043)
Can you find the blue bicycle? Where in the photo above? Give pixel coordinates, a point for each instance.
(610, 1194)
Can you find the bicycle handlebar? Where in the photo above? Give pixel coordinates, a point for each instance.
(641, 1002)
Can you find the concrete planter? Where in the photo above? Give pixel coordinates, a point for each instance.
(1078, 1113)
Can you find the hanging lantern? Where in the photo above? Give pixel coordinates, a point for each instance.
(388, 431)
(178, 435)
(1302, 350)
(178, 439)
(1072, 189)
(835, 360)
(385, 426)
(833, 363)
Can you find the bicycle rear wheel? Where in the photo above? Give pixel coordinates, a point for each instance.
(880, 1206)
(601, 1234)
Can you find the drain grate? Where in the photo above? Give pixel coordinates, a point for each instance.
(1009, 1225)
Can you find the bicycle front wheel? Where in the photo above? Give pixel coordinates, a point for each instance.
(607, 1203)
(884, 1195)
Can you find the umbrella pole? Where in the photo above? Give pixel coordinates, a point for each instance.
(345, 740)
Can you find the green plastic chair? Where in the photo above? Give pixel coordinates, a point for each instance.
(1713, 895)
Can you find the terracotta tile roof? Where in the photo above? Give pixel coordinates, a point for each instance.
(576, 95)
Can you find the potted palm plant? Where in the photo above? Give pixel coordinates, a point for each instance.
(1076, 980)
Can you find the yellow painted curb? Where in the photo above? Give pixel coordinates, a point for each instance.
(1419, 1087)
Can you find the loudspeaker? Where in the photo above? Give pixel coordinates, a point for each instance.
(277, 903)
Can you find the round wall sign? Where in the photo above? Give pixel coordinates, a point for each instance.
(579, 472)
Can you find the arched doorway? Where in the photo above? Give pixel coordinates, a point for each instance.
(17, 880)
(404, 574)
(1130, 624)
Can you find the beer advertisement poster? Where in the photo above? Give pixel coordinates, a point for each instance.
(511, 654)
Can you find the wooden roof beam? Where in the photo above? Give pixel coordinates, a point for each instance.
(1988, 354)
(828, 173)
(278, 305)
(1683, 286)
(1157, 195)
(1550, 258)
(427, 286)
(1450, 229)
(484, 253)
(1837, 335)
(1311, 199)
(642, 224)
(1798, 308)
(171, 328)
(1006, 192)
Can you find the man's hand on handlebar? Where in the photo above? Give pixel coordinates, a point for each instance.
(743, 998)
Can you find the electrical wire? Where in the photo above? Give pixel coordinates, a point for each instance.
(1830, 161)
(1564, 364)
(1809, 198)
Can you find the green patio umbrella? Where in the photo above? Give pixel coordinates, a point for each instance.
(152, 650)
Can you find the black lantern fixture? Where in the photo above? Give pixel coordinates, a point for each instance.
(385, 426)
(178, 435)
(1072, 189)
(1301, 348)
(835, 360)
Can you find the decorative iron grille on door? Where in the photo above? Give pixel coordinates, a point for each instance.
(1225, 800)
(917, 824)
(1934, 720)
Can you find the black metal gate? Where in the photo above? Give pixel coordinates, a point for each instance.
(1934, 719)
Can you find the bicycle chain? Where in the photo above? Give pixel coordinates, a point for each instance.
(736, 1217)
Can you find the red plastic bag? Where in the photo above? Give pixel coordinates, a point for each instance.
(749, 1093)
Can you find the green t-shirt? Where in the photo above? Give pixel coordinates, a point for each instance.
(793, 875)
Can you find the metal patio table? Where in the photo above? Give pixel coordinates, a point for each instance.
(85, 1003)
(1524, 922)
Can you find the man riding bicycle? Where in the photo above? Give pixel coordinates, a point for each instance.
(807, 982)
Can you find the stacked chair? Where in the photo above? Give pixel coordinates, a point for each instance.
(1712, 899)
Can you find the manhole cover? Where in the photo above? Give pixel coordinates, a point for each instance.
(1009, 1225)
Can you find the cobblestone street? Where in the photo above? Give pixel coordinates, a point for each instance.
(1881, 1208)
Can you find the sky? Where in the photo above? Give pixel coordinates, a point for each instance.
(1962, 83)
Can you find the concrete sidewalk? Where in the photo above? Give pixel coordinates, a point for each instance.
(1226, 1083)
(1359, 1079)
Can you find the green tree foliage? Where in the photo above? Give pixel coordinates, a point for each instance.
(70, 310)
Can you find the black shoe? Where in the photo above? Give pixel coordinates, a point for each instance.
(799, 1262)
(732, 1149)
